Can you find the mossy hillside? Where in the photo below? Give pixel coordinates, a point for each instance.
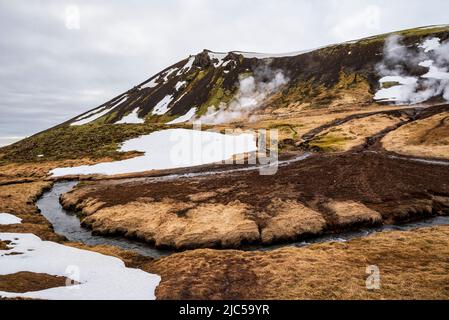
(390, 84)
(331, 142)
(218, 95)
(316, 95)
(75, 142)
(408, 33)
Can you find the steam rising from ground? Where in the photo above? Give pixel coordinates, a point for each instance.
(414, 74)
(253, 91)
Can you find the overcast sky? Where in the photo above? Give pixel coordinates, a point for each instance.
(60, 58)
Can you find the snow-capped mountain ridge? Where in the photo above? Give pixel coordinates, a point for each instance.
(210, 79)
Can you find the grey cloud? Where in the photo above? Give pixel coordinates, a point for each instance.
(49, 74)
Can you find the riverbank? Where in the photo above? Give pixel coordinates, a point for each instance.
(320, 271)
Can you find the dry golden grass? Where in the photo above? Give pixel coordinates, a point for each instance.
(295, 121)
(413, 265)
(39, 170)
(349, 213)
(3, 246)
(291, 219)
(353, 133)
(177, 224)
(423, 138)
(19, 199)
(23, 282)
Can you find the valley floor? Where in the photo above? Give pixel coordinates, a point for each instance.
(371, 175)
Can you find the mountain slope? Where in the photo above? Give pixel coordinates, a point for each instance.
(208, 79)
(294, 93)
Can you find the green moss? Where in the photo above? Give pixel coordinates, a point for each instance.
(389, 84)
(415, 32)
(74, 142)
(329, 142)
(217, 96)
(287, 128)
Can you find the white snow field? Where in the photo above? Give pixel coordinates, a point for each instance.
(170, 149)
(131, 118)
(188, 116)
(100, 277)
(8, 219)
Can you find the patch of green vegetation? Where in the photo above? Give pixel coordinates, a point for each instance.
(217, 96)
(286, 128)
(329, 142)
(92, 141)
(415, 32)
(107, 118)
(389, 84)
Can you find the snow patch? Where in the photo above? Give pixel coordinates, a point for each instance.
(131, 118)
(217, 58)
(169, 73)
(188, 116)
(97, 113)
(151, 84)
(252, 55)
(100, 277)
(170, 149)
(430, 44)
(187, 67)
(179, 85)
(162, 107)
(8, 219)
(434, 72)
(91, 118)
(405, 86)
(412, 89)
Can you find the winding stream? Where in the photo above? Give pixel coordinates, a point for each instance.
(68, 224)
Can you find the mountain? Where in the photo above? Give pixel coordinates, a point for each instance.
(249, 90)
(209, 78)
(363, 131)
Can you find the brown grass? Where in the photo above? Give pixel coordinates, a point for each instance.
(23, 282)
(19, 199)
(4, 246)
(353, 133)
(291, 220)
(177, 224)
(423, 138)
(349, 213)
(413, 265)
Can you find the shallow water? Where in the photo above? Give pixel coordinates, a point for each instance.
(351, 235)
(68, 224)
